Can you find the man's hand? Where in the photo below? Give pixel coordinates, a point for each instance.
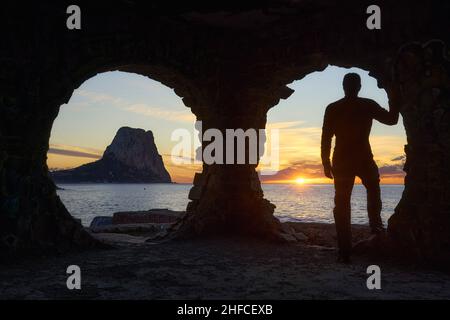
(395, 94)
(327, 171)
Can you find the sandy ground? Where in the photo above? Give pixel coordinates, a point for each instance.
(233, 268)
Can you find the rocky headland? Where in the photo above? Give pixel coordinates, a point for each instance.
(132, 157)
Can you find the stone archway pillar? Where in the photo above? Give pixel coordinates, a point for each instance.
(32, 217)
(227, 198)
(421, 222)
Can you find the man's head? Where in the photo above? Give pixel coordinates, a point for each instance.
(351, 84)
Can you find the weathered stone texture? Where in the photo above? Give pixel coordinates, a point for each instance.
(230, 63)
(421, 222)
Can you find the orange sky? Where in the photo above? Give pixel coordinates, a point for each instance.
(296, 142)
(87, 124)
(302, 179)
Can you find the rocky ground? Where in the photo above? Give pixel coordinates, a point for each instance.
(233, 268)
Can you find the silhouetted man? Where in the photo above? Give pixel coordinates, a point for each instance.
(350, 120)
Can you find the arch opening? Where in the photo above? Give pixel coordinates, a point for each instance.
(110, 151)
(299, 190)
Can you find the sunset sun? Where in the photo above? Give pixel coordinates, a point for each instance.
(300, 180)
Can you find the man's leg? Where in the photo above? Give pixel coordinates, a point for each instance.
(342, 213)
(371, 181)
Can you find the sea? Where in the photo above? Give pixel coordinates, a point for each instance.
(294, 202)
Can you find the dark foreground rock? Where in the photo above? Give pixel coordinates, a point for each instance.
(132, 157)
(142, 223)
(148, 224)
(150, 216)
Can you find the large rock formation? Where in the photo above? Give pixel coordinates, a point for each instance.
(131, 157)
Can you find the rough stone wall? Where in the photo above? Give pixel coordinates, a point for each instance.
(421, 223)
(40, 69)
(228, 198)
(230, 63)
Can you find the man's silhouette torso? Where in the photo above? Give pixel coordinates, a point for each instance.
(350, 120)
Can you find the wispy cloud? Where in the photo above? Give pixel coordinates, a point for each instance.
(144, 109)
(96, 97)
(314, 170)
(385, 148)
(299, 152)
(284, 124)
(73, 151)
(160, 113)
(395, 170)
(304, 168)
(298, 143)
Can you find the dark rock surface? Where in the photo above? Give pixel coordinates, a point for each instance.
(150, 216)
(230, 63)
(100, 222)
(136, 222)
(217, 269)
(131, 157)
(146, 230)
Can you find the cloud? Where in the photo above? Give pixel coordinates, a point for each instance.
(304, 168)
(283, 124)
(296, 142)
(385, 148)
(72, 151)
(314, 170)
(400, 158)
(96, 97)
(395, 170)
(303, 143)
(138, 108)
(150, 111)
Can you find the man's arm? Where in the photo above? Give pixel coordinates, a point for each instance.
(325, 145)
(388, 117)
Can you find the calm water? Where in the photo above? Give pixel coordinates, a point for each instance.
(312, 203)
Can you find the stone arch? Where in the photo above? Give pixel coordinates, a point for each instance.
(420, 224)
(417, 223)
(35, 217)
(237, 70)
(165, 75)
(228, 198)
